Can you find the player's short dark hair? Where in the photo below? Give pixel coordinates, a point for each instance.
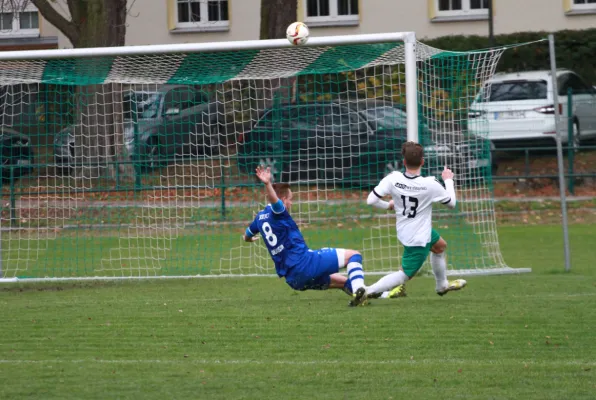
(282, 190)
(412, 153)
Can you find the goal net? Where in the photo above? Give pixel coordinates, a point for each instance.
(139, 162)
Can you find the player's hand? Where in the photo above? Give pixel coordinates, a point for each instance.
(391, 205)
(251, 239)
(447, 174)
(264, 174)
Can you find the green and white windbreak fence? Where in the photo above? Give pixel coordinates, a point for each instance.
(138, 162)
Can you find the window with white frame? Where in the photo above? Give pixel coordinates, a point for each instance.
(583, 5)
(331, 11)
(19, 21)
(202, 13)
(461, 8)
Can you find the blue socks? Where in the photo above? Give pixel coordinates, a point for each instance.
(355, 272)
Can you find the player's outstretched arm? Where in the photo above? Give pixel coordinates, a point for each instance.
(451, 200)
(264, 175)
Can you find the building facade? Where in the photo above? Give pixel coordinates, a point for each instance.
(187, 21)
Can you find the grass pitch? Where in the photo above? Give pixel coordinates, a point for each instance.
(530, 336)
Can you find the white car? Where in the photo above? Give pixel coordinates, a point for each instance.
(516, 109)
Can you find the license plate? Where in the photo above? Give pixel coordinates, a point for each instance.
(509, 114)
(479, 163)
(23, 162)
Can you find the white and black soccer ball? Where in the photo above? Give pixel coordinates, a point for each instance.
(298, 33)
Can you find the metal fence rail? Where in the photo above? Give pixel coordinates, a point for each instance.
(545, 152)
(12, 190)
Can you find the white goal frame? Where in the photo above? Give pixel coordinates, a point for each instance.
(411, 92)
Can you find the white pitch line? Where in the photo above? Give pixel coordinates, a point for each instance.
(313, 362)
(555, 295)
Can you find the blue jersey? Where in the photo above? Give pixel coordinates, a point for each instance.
(282, 237)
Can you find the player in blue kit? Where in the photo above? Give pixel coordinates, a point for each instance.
(302, 267)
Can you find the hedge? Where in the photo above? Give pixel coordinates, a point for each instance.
(575, 50)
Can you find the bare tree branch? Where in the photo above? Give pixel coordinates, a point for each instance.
(68, 28)
(10, 6)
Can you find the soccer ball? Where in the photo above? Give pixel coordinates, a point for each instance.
(297, 33)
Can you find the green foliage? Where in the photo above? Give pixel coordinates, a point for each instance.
(374, 83)
(574, 49)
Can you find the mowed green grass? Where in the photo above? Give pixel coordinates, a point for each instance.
(529, 336)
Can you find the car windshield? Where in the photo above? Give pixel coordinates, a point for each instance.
(144, 104)
(517, 90)
(386, 117)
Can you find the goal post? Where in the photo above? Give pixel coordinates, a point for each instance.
(138, 162)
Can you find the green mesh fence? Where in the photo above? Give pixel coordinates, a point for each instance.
(143, 166)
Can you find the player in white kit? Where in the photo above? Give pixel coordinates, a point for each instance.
(412, 199)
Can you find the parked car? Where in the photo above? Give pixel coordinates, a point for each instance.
(517, 109)
(353, 142)
(16, 154)
(172, 121)
(467, 154)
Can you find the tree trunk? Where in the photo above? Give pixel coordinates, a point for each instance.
(99, 133)
(276, 15)
(98, 130)
(102, 23)
(99, 137)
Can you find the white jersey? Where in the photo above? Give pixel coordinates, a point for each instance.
(413, 197)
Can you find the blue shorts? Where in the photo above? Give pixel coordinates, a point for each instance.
(314, 270)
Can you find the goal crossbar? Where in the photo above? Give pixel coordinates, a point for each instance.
(369, 38)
